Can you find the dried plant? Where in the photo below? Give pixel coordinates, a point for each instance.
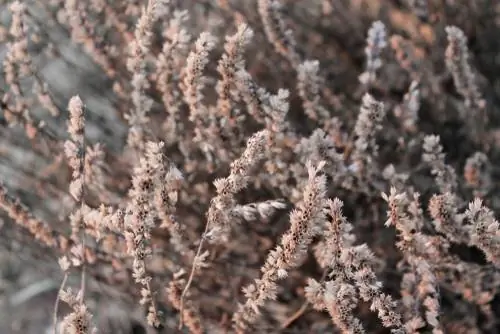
(263, 166)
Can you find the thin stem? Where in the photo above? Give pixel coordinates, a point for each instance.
(296, 315)
(82, 231)
(84, 268)
(191, 275)
(56, 306)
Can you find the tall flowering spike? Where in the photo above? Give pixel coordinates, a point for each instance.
(407, 111)
(444, 211)
(17, 61)
(406, 216)
(485, 232)
(368, 124)
(352, 278)
(136, 64)
(304, 224)
(74, 147)
(371, 114)
(232, 61)
(309, 84)
(23, 217)
(340, 301)
(457, 61)
(434, 156)
(221, 211)
(336, 237)
(276, 32)
(173, 56)
(17, 64)
(193, 82)
(140, 220)
(376, 42)
(143, 34)
(77, 321)
(76, 121)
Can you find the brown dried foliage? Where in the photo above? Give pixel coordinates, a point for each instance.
(228, 166)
